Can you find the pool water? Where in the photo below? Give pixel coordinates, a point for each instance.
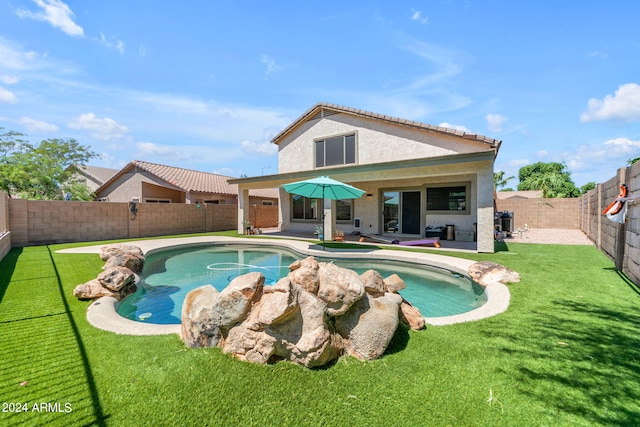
(170, 274)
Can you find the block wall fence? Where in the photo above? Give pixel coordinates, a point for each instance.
(37, 222)
(620, 242)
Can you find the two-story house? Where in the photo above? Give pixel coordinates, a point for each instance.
(415, 175)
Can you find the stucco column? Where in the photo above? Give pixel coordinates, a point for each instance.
(329, 219)
(484, 194)
(243, 209)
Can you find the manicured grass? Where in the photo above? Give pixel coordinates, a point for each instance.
(567, 352)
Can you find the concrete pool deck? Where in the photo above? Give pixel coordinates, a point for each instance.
(102, 312)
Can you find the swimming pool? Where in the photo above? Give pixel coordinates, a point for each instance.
(169, 274)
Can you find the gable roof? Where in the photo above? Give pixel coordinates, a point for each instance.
(525, 194)
(191, 181)
(96, 173)
(322, 110)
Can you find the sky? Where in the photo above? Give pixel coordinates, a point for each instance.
(206, 85)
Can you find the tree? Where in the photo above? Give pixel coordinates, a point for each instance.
(633, 160)
(588, 186)
(42, 171)
(552, 178)
(499, 181)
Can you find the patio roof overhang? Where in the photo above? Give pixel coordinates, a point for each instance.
(366, 172)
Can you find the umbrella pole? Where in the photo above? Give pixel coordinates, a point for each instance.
(323, 218)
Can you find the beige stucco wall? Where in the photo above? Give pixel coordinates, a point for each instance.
(376, 142)
(478, 176)
(129, 186)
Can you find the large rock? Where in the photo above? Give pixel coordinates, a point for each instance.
(311, 317)
(370, 325)
(373, 283)
(199, 328)
(94, 289)
(107, 252)
(131, 261)
(486, 272)
(304, 273)
(116, 278)
(394, 283)
(119, 275)
(411, 316)
(339, 288)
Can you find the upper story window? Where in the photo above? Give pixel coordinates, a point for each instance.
(337, 150)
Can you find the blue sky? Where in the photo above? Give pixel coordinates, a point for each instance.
(206, 85)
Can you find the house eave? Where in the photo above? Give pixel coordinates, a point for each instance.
(367, 168)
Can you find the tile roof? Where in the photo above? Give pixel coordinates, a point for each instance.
(195, 181)
(98, 174)
(318, 111)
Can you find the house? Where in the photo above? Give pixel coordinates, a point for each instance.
(91, 176)
(148, 182)
(415, 175)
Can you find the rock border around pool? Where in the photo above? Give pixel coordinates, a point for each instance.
(102, 314)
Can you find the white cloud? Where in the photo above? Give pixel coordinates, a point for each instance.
(150, 149)
(7, 96)
(419, 17)
(264, 148)
(623, 105)
(114, 43)
(519, 162)
(542, 153)
(38, 126)
(56, 13)
(9, 80)
(495, 122)
(15, 60)
(455, 127)
(103, 129)
(270, 63)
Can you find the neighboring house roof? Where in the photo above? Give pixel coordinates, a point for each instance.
(190, 180)
(96, 173)
(529, 194)
(321, 110)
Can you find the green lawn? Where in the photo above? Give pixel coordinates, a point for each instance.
(567, 352)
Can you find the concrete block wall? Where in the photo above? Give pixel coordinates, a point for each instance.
(35, 222)
(620, 242)
(543, 213)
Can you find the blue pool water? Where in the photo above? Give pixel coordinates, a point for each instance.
(170, 274)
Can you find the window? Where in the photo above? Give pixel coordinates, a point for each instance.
(267, 203)
(337, 150)
(157, 200)
(447, 198)
(303, 208)
(344, 210)
(212, 202)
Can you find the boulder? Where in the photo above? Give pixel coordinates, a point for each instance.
(119, 275)
(394, 284)
(311, 317)
(94, 289)
(411, 316)
(369, 325)
(485, 272)
(235, 300)
(199, 328)
(125, 259)
(107, 252)
(339, 288)
(115, 278)
(304, 273)
(373, 283)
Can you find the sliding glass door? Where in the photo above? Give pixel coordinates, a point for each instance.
(401, 212)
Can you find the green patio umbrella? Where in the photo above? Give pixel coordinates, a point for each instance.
(323, 187)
